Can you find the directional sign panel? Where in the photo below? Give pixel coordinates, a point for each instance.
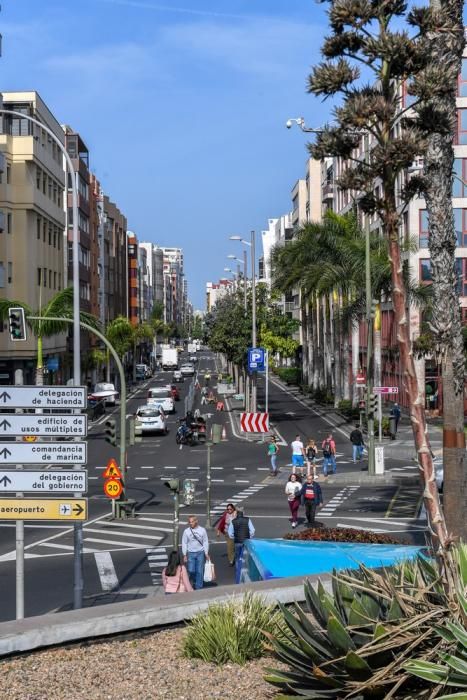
(42, 453)
(67, 425)
(43, 397)
(254, 422)
(43, 508)
(385, 389)
(58, 480)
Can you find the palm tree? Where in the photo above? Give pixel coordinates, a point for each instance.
(141, 333)
(120, 334)
(60, 306)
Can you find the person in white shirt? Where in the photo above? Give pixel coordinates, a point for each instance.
(195, 549)
(298, 454)
(292, 491)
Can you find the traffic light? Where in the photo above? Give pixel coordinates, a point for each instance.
(362, 405)
(188, 492)
(374, 404)
(111, 431)
(134, 431)
(17, 323)
(173, 485)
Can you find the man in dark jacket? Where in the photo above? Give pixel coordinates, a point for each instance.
(356, 438)
(240, 529)
(312, 497)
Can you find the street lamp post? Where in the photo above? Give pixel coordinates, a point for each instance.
(78, 528)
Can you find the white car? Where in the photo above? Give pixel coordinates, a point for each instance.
(151, 419)
(187, 370)
(104, 387)
(161, 396)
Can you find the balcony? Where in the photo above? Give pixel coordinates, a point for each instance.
(328, 191)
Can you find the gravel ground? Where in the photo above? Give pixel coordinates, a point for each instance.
(130, 669)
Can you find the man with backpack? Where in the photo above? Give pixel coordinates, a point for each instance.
(356, 438)
(329, 454)
(312, 497)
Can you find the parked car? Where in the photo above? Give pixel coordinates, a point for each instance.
(151, 419)
(193, 358)
(103, 388)
(187, 370)
(143, 371)
(178, 376)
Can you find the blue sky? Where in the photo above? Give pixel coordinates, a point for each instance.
(182, 105)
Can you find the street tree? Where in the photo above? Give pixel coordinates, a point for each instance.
(434, 89)
(366, 35)
(59, 306)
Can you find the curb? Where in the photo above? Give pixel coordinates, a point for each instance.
(119, 618)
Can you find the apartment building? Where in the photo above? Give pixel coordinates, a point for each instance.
(155, 273)
(173, 281)
(133, 280)
(216, 291)
(32, 229)
(114, 262)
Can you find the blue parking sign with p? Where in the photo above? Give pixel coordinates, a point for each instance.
(256, 359)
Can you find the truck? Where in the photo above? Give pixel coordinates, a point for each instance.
(192, 348)
(169, 358)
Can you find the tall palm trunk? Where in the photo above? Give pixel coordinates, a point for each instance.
(446, 48)
(355, 361)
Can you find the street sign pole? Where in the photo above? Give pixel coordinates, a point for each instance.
(19, 535)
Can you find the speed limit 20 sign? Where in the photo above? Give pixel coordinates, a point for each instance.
(113, 488)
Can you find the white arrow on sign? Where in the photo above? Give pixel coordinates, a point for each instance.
(67, 425)
(43, 397)
(43, 453)
(56, 481)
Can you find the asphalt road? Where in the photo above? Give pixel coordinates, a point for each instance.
(122, 557)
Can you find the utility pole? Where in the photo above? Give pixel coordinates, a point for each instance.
(253, 322)
(369, 353)
(19, 533)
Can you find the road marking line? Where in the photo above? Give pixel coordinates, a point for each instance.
(392, 502)
(242, 481)
(141, 478)
(217, 468)
(147, 467)
(170, 467)
(121, 534)
(106, 570)
(239, 469)
(136, 527)
(218, 481)
(92, 477)
(128, 545)
(166, 521)
(68, 547)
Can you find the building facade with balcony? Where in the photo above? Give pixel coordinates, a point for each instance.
(32, 230)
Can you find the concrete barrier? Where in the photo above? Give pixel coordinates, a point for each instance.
(118, 618)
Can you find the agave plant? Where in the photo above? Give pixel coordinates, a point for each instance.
(356, 642)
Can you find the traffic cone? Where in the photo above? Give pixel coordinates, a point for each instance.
(224, 434)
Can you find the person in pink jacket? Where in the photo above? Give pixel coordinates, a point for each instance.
(175, 576)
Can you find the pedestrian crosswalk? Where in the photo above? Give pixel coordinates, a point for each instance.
(238, 498)
(157, 560)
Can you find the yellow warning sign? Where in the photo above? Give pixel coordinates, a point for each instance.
(43, 508)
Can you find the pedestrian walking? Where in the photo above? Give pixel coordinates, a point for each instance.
(175, 577)
(223, 528)
(356, 438)
(311, 496)
(195, 549)
(298, 454)
(396, 414)
(273, 449)
(292, 491)
(311, 451)
(240, 529)
(329, 454)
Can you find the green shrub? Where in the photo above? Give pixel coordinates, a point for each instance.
(232, 631)
(350, 412)
(289, 375)
(319, 395)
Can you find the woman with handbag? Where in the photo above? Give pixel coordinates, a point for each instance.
(175, 576)
(292, 491)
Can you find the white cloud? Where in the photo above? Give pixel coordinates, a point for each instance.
(268, 47)
(139, 4)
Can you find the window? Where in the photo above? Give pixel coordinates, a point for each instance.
(460, 224)
(10, 272)
(38, 226)
(55, 191)
(44, 230)
(459, 189)
(461, 127)
(461, 266)
(83, 188)
(59, 240)
(423, 229)
(55, 237)
(44, 277)
(49, 181)
(44, 183)
(462, 81)
(70, 253)
(50, 233)
(8, 174)
(55, 280)
(9, 223)
(38, 178)
(425, 271)
(39, 276)
(50, 279)
(2, 275)
(59, 280)
(70, 216)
